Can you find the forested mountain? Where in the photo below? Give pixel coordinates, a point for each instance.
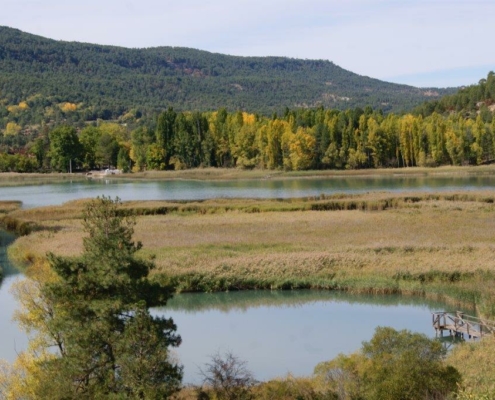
(175, 108)
(470, 100)
(43, 79)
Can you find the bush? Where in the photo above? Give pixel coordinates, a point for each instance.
(392, 365)
(227, 377)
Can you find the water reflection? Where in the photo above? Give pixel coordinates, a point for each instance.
(7, 269)
(243, 300)
(57, 193)
(11, 338)
(287, 331)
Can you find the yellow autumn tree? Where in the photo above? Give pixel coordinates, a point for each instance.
(117, 131)
(302, 149)
(273, 150)
(376, 142)
(245, 149)
(68, 107)
(454, 142)
(406, 137)
(12, 129)
(13, 109)
(248, 119)
(20, 380)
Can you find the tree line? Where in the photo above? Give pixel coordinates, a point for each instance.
(296, 140)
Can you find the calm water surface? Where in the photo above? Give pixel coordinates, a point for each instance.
(49, 194)
(275, 332)
(286, 331)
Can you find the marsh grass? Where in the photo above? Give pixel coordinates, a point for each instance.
(21, 179)
(437, 245)
(240, 174)
(9, 206)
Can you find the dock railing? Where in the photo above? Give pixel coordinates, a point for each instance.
(460, 324)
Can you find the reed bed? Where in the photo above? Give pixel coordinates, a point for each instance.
(9, 206)
(231, 173)
(21, 179)
(16, 179)
(428, 244)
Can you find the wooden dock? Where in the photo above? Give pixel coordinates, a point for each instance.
(461, 325)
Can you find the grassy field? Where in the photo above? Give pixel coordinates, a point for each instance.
(429, 244)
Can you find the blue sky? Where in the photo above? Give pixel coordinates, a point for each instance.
(419, 42)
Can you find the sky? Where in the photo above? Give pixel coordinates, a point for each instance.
(425, 43)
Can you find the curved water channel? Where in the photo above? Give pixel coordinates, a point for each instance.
(275, 332)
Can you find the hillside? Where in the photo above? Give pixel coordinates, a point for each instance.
(106, 82)
(470, 100)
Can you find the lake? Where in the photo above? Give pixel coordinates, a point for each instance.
(275, 332)
(278, 332)
(58, 193)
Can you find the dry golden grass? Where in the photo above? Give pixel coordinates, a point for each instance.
(296, 248)
(18, 179)
(9, 206)
(475, 362)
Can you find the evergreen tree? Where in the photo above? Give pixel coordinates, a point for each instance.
(110, 346)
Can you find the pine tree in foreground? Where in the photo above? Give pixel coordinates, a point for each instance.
(109, 344)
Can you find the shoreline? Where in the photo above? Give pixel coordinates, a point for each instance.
(219, 174)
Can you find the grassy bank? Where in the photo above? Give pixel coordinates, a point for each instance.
(21, 179)
(16, 179)
(9, 206)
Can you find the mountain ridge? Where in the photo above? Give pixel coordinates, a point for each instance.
(114, 79)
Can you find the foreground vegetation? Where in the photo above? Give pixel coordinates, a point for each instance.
(371, 243)
(94, 335)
